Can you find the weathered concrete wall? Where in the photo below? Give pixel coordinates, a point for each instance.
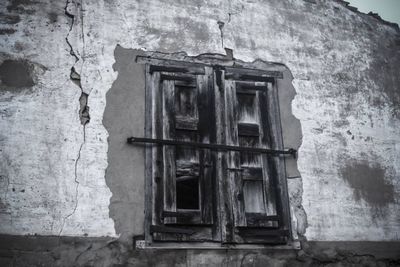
(53, 158)
(51, 170)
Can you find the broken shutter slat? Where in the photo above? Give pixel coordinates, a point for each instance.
(186, 123)
(248, 129)
(187, 168)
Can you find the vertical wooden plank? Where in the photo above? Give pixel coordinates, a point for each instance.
(168, 110)
(276, 130)
(148, 183)
(206, 132)
(157, 156)
(233, 158)
(268, 163)
(223, 211)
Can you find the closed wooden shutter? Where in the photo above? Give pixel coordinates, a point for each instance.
(199, 194)
(257, 181)
(184, 177)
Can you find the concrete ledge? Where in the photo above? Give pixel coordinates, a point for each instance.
(141, 244)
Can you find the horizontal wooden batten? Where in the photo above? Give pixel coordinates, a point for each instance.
(186, 84)
(267, 240)
(172, 230)
(248, 129)
(245, 77)
(177, 69)
(253, 72)
(262, 220)
(186, 177)
(183, 233)
(186, 123)
(252, 173)
(181, 214)
(171, 65)
(262, 216)
(245, 92)
(260, 232)
(180, 77)
(248, 87)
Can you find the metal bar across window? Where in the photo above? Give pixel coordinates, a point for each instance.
(133, 140)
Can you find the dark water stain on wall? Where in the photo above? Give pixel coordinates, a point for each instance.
(19, 5)
(9, 19)
(16, 73)
(368, 182)
(7, 31)
(53, 17)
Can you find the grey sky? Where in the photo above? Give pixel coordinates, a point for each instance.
(388, 9)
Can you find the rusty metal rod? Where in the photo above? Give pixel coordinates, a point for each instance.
(291, 151)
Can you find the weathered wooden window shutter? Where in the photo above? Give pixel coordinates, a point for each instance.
(207, 185)
(183, 185)
(257, 181)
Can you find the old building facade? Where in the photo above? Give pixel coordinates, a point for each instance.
(313, 84)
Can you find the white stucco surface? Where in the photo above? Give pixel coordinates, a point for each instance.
(332, 52)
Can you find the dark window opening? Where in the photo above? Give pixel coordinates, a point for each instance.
(187, 193)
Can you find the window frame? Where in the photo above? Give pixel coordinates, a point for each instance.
(222, 222)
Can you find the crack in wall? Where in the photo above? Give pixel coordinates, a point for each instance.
(234, 12)
(71, 9)
(221, 25)
(231, 12)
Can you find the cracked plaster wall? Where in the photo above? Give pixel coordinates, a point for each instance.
(344, 64)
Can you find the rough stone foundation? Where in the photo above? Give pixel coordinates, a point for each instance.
(85, 251)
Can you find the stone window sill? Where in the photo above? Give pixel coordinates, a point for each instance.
(142, 244)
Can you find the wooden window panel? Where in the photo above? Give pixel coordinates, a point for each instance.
(187, 109)
(252, 118)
